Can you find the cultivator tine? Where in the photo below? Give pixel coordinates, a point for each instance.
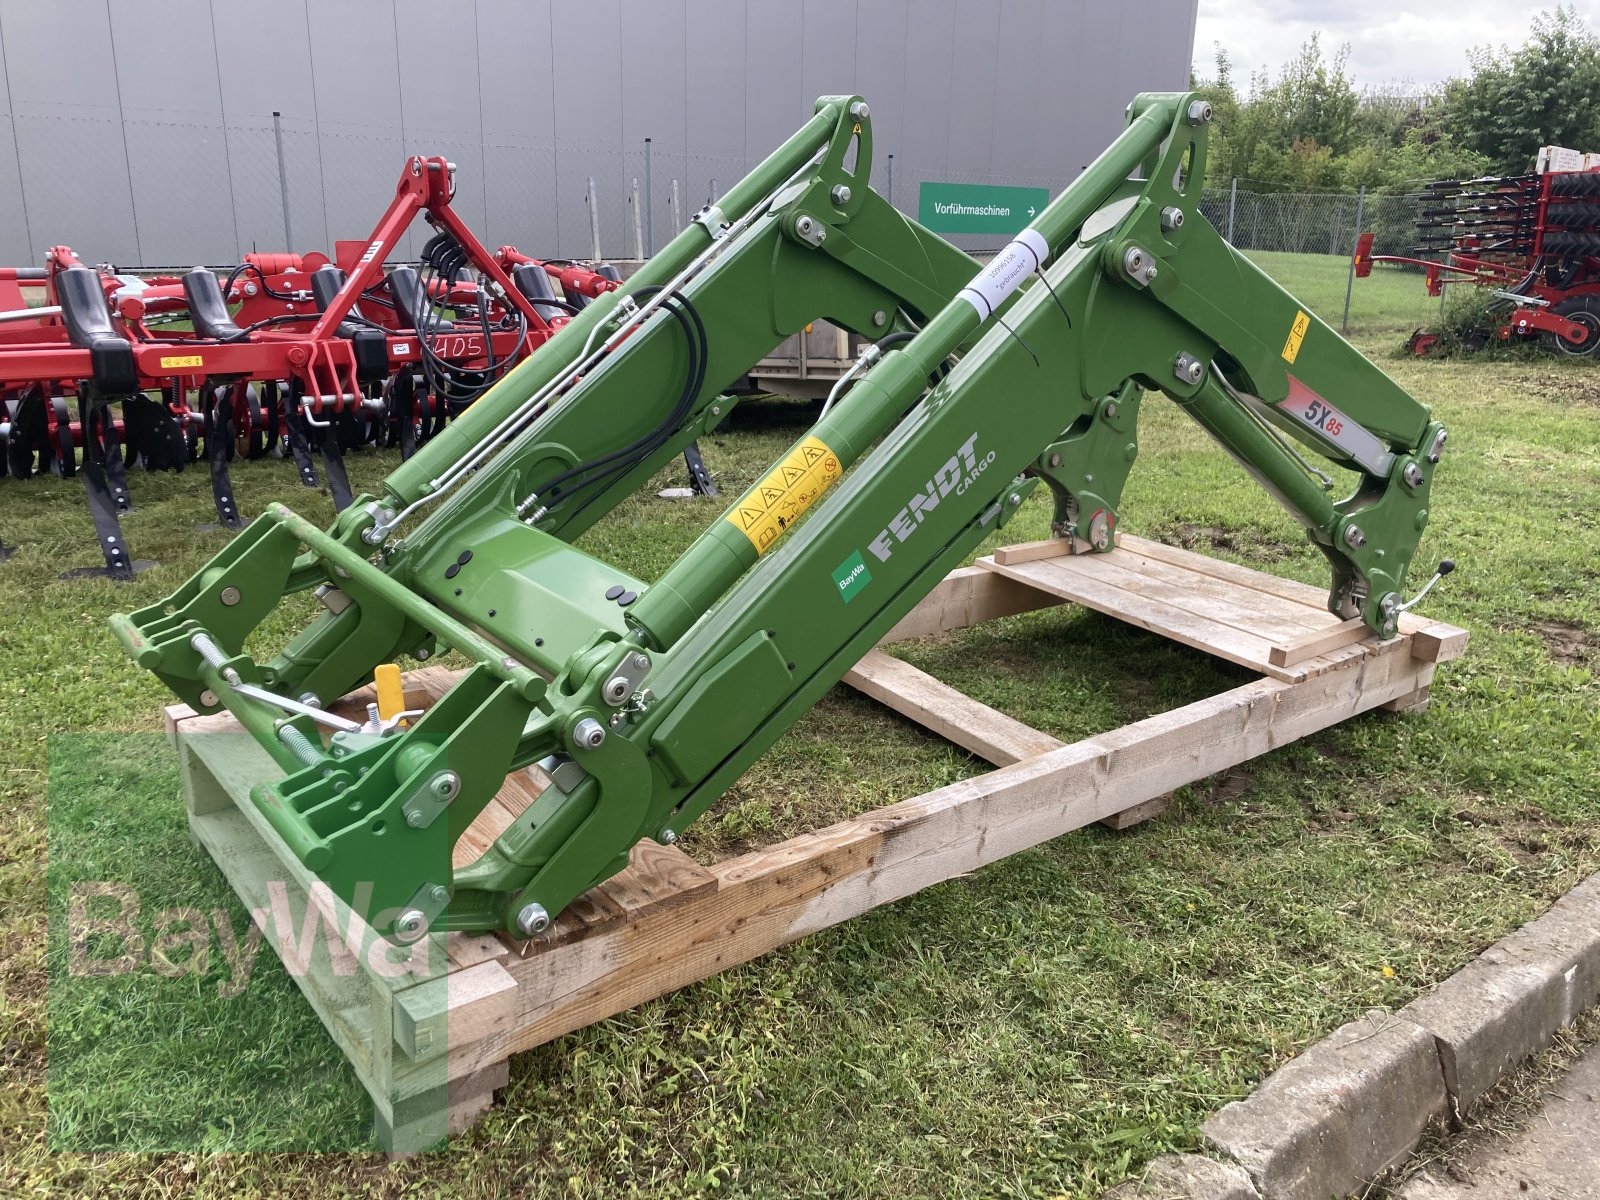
(299, 444)
(403, 411)
(103, 506)
(107, 449)
(66, 457)
(699, 477)
(333, 467)
(218, 407)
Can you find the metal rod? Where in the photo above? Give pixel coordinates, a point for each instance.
(1233, 199)
(28, 314)
(594, 223)
(283, 180)
(889, 182)
(677, 213)
(649, 205)
(638, 224)
(1350, 279)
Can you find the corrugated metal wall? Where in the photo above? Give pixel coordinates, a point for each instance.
(142, 133)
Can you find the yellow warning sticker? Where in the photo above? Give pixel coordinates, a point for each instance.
(171, 361)
(1297, 334)
(791, 487)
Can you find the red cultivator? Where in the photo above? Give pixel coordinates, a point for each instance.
(1533, 239)
(289, 350)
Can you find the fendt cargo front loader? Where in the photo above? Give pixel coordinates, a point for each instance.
(645, 702)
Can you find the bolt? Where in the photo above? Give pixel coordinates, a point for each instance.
(311, 699)
(230, 596)
(588, 734)
(373, 718)
(1111, 409)
(1139, 266)
(416, 818)
(440, 893)
(1412, 475)
(1099, 531)
(1354, 537)
(1172, 217)
(424, 655)
(1055, 460)
(616, 689)
(445, 785)
(668, 838)
(880, 318)
(532, 920)
(840, 195)
(641, 662)
(1014, 498)
(208, 698)
(1199, 112)
(410, 925)
(860, 111)
(1188, 368)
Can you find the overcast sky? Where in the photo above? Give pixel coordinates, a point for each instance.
(1389, 39)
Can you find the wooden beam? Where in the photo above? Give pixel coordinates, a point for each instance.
(774, 896)
(954, 716)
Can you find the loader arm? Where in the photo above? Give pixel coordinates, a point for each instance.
(635, 377)
(645, 703)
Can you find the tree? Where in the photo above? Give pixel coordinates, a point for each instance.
(1545, 93)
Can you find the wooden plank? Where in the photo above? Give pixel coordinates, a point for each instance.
(1296, 611)
(777, 895)
(1345, 633)
(1442, 638)
(1199, 595)
(952, 715)
(966, 597)
(1201, 633)
(1033, 551)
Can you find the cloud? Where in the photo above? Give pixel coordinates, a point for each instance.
(1389, 40)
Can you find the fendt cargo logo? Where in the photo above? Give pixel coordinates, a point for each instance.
(957, 475)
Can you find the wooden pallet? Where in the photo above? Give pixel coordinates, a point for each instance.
(432, 1046)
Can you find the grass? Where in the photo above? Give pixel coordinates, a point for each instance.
(1387, 301)
(1040, 1028)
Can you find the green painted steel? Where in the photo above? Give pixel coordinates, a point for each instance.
(646, 702)
(979, 207)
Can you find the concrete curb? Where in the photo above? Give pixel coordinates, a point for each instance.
(1355, 1104)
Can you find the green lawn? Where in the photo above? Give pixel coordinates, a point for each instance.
(1387, 301)
(1040, 1028)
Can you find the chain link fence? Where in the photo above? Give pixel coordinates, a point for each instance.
(201, 192)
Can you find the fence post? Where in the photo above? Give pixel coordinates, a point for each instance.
(649, 206)
(1233, 198)
(891, 181)
(677, 215)
(594, 223)
(1350, 279)
(638, 227)
(283, 181)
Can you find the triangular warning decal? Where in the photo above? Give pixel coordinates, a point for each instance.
(813, 453)
(792, 476)
(749, 516)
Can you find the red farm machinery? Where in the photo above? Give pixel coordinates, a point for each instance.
(101, 370)
(1532, 241)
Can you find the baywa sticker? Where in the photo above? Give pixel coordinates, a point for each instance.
(851, 576)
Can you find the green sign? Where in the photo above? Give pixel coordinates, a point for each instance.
(979, 207)
(851, 576)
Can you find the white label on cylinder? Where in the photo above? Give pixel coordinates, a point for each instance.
(990, 286)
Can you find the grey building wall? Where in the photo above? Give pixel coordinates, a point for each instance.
(141, 131)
